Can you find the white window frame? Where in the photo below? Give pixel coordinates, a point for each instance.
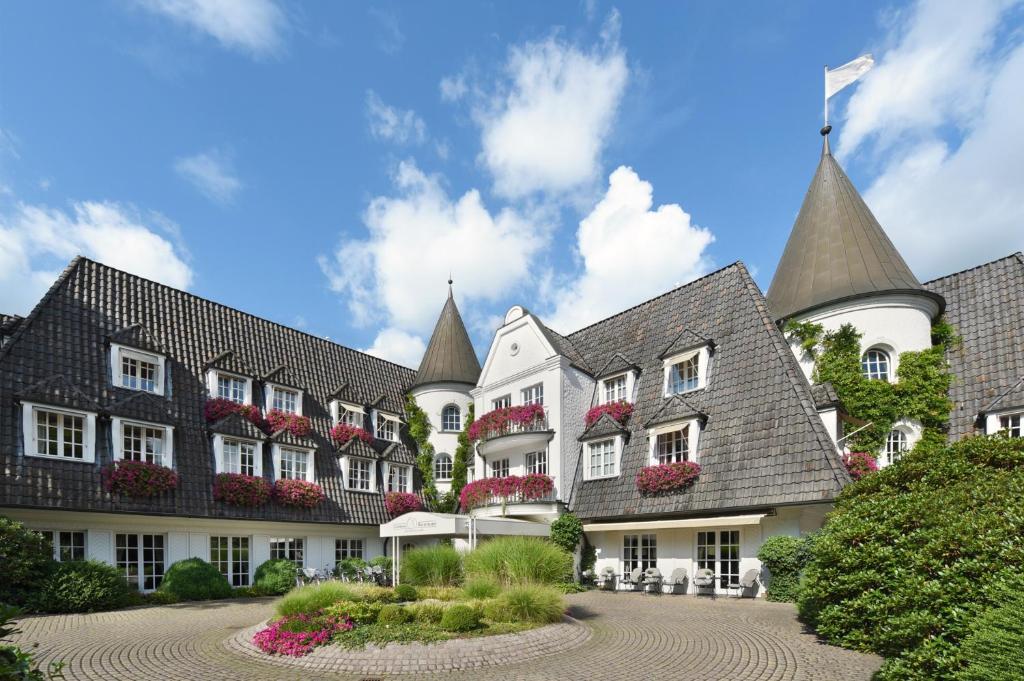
(117, 434)
(451, 466)
(703, 354)
(118, 351)
(236, 578)
(31, 435)
(616, 458)
(444, 420)
(693, 440)
(993, 421)
(628, 379)
(501, 402)
(341, 409)
(349, 547)
(716, 532)
(377, 416)
(218, 453)
(276, 454)
(293, 545)
(140, 561)
(536, 461)
(57, 544)
(646, 546)
(506, 465)
(533, 394)
(890, 366)
(268, 397)
(211, 383)
(911, 431)
(388, 468)
(345, 460)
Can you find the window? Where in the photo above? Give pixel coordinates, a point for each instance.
(347, 548)
(674, 446)
(443, 467)
(502, 402)
(639, 551)
(451, 418)
(57, 433)
(1011, 423)
(230, 555)
(537, 462)
(137, 370)
(239, 457)
(602, 458)
(875, 364)
(684, 375)
(895, 444)
(349, 414)
(142, 442)
(360, 474)
(614, 389)
(499, 468)
(288, 548)
(232, 388)
(285, 400)
(534, 394)
(66, 545)
(399, 478)
(295, 464)
(387, 428)
(141, 558)
(720, 553)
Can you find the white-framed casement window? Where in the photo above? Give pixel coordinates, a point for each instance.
(141, 441)
(348, 548)
(1011, 423)
(141, 557)
(288, 400)
(896, 445)
(443, 466)
(502, 402)
(137, 370)
(399, 478)
(67, 545)
(58, 433)
(719, 551)
(534, 394)
(674, 442)
(348, 413)
(686, 371)
(615, 388)
(292, 463)
(236, 455)
(639, 551)
(288, 548)
(875, 365)
(229, 386)
(537, 462)
(385, 426)
(602, 458)
(499, 468)
(230, 555)
(451, 418)
(358, 473)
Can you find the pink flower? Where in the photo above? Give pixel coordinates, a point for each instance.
(505, 420)
(297, 635)
(241, 490)
(298, 493)
(138, 478)
(667, 477)
(297, 425)
(527, 488)
(343, 432)
(217, 408)
(859, 464)
(398, 503)
(620, 411)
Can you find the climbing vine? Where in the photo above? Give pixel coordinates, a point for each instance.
(463, 454)
(419, 430)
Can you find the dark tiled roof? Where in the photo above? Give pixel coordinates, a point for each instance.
(986, 306)
(616, 364)
(763, 443)
(837, 249)
(450, 357)
(9, 323)
(59, 354)
(237, 425)
(605, 426)
(685, 340)
(825, 395)
(678, 407)
(137, 336)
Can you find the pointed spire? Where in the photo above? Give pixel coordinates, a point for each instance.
(450, 357)
(837, 250)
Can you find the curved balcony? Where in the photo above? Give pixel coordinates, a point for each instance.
(530, 495)
(512, 428)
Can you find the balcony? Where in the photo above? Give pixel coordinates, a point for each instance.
(529, 495)
(522, 428)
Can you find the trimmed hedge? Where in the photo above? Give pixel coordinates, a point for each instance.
(275, 576)
(406, 592)
(193, 579)
(84, 586)
(993, 648)
(26, 559)
(393, 614)
(460, 618)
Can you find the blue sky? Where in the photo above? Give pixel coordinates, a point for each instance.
(326, 165)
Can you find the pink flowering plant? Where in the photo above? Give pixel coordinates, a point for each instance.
(297, 635)
(241, 490)
(667, 477)
(342, 433)
(511, 488)
(859, 464)
(398, 503)
(217, 408)
(620, 411)
(506, 420)
(138, 479)
(298, 493)
(296, 424)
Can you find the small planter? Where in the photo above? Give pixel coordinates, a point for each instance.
(506, 420)
(342, 433)
(217, 408)
(297, 425)
(620, 411)
(667, 477)
(859, 464)
(399, 503)
(241, 490)
(138, 479)
(298, 493)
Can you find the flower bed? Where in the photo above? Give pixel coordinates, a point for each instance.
(342, 433)
(297, 425)
(399, 503)
(506, 420)
(297, 635)
(241, 490)
(859, 464)
(667, 477)
(138, 479)
(527, 488)
(620, 411)
(217, 408)
(298, 493)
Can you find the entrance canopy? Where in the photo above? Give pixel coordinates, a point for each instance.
(720, 521)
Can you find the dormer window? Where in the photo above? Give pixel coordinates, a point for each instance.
(602, 458)
(293, 463)
(228, 386)
(686, 371)
(386, 426)
(137, 370)
(236, 455)
(139, 441)
(288, 400)
(1012, 424)
(399, 478)
(348, 413)
(613, 389)
(674, 442)
(59, 433)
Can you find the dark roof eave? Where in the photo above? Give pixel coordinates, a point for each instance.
(924, 293)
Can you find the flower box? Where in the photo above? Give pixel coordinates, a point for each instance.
(512, 488)
(138, 479)
(297, 425)
(217, 408)
(298, 493)
(343, 432)
(620, 411)
(859, 464)
(241, 490)
(507, 420)
(667, 477)
(398, 503)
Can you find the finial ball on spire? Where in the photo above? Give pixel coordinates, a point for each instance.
(826, 130)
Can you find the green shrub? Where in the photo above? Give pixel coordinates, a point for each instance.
(393, 613)
(406, 592)
(193, 579)
(372, 592)
(992, 649)
(160, 598)
(460, 618)
(566, 532)
(527, 603)
(312, 597)
(519, 560)
(360, 612)
(912, 553)
(83, 586)
(785, 558)
(436, 565)
(481, 587)
(383, 562)
(274, 577)
(428, 613)
(26, 559)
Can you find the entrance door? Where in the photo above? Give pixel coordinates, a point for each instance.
(719, 551)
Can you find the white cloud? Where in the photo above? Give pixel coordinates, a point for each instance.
(36, 242)
(211, 173)
(453, 88)
(419, 236)
(251, 26)
(398, 346)
(544, 128)
(400, 126)
(629, 253)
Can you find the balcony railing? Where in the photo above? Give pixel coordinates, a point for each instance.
(518, 498)
(530, 418)
(533, 488)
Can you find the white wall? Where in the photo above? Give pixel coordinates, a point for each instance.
(432, 399)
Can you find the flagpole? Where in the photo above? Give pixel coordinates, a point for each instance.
(825, 84)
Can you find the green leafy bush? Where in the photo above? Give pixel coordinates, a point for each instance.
(393, 613)
(481, 587)
(436, 565)
(348, 567)
(992, 649)
(460, 618)
(275, 576)
(913, 553)
(83, 586)
(313, 597)
(527, 603)
(785, 558)
(566, 531)
(406, 592)
(194, 579)
(383, 562)
(26, 559)
(372, 592)
(360, 612)
(428, 613)
(518, 560)
(382, 634)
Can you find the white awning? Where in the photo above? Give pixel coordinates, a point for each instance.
(718, 521)
(424, 524)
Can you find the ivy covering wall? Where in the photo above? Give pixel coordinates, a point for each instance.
(463, 454)
(419, 430)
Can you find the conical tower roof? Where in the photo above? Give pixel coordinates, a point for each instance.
(837, 250)
(450, 357)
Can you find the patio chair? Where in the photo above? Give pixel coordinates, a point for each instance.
(750, 579)
(704, 579)
(652, 581)
(310, 576)
(634, 579)
(678, 578)
(606, 579)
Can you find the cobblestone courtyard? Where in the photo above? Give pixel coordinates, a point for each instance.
(633, 637)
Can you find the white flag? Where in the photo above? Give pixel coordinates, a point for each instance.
(838, 78)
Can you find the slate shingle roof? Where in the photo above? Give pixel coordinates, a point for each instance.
(986, 306)
(763, 443)
(59, 354)
(450, 356)
(825, 395)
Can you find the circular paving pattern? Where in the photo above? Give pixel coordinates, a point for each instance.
(629, 637)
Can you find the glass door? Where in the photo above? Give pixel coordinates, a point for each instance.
(720, 552)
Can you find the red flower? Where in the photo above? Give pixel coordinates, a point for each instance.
(298, 493)
(241, 490)
(528, 488)
(297, 425)
(217, 408)
(398, 503)
(620, 411)
(666, 477)
(859, 464)
(343, 432)
(138, 478)
(505, 420)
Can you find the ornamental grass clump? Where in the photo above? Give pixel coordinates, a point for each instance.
(519, 560)
(399, 503)
(342, 433)
(241, 490)
(859, 464)
(360, 612)
(667, 477)
(297, 635)
(481, 588)
(298, 493)
(436, 565)
(527, 603)
(139, 479)
(296, 424)
(619, 411)
(505, 420)
(313, 597)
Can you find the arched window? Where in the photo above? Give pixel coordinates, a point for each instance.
(451, 418)
(875, 364)
(895, 445)
(442, 467)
